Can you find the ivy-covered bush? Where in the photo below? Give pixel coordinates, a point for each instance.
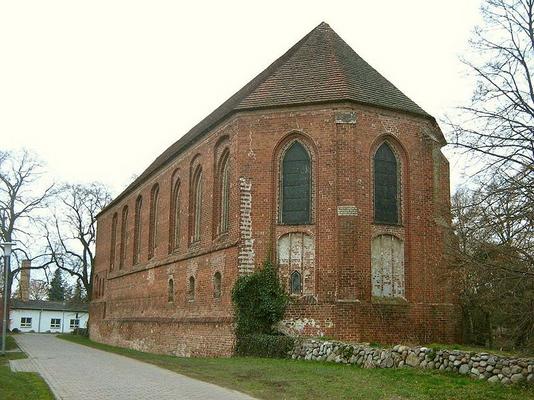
(260, 302)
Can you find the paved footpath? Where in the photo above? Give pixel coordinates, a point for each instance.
(79, 372)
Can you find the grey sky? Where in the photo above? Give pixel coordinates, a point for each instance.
(98, 89)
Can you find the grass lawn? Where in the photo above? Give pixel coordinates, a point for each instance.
(20, 385)
(290, 379)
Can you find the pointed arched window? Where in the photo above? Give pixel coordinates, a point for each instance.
(175, 218)
(113, 241)
(124, 236)
(296, 283)
(137, 230)
(296, 186)
(217, 285)
(196, 205)
(153, 225)
(170, 291)
(386, 186)
(224, 194)
(191, 289)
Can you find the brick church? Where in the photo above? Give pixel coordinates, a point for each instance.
(319, 163)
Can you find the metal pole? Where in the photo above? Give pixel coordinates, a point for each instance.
(7, 254)
(4, 319)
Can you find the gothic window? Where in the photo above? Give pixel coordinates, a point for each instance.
(217, 285)
(387, 266)
(170, 291)
(197, 205)
(153, 224)
(295, 283)
(296, 186)
(191, 289)
(124, 238)
(175, 218)
(113, 241)
(137, 230)
(224, 194)
(386, 182)
(296, 262)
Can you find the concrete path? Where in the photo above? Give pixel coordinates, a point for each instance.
(79, 372)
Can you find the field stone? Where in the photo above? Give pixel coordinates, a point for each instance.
(493, 379)
(464, 369)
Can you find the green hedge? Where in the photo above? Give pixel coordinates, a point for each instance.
(263, 345)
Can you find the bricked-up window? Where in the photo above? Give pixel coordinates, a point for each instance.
(296, 283)
(191, 289)
(196, 205)
(137, 230)
(113, 241)
(387, 266)
(386, 185)
(175, 218)
(224, 194)
(296, 185)
(153, 224)
(170, 291)
(124, 237)
(217, 285)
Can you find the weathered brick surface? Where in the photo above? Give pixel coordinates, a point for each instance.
(137, 312)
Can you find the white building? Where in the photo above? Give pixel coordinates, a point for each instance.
(46, 316)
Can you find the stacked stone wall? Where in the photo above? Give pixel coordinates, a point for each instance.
(482, 366)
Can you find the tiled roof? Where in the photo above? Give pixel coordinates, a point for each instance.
(47, 305)
(319, 68)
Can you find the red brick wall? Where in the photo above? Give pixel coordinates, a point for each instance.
(137, 313)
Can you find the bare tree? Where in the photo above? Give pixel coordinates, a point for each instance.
(38, 289)
(23, 198)
(498, 125)
(71, 233)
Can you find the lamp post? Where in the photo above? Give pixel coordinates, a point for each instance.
(7, 247)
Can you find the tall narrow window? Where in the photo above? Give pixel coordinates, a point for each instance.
(296, 186)
(224, 193)
(191, 289)
(137, 229)
(113, 242)
(217, 285)
(386, 185)
(153, 224)
(197, 205)
(175, 218)
(124, 236)
(170, 291)
(295, 283)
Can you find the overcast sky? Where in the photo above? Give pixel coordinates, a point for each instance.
(98, 89)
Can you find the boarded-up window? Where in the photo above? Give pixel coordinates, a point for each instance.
(386, 185)
(296, 186)
(387, 266)
(296, 262)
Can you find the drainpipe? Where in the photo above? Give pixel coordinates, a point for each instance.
(39, 327)
(63, 323)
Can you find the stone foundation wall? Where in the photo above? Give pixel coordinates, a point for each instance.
(482, 366)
